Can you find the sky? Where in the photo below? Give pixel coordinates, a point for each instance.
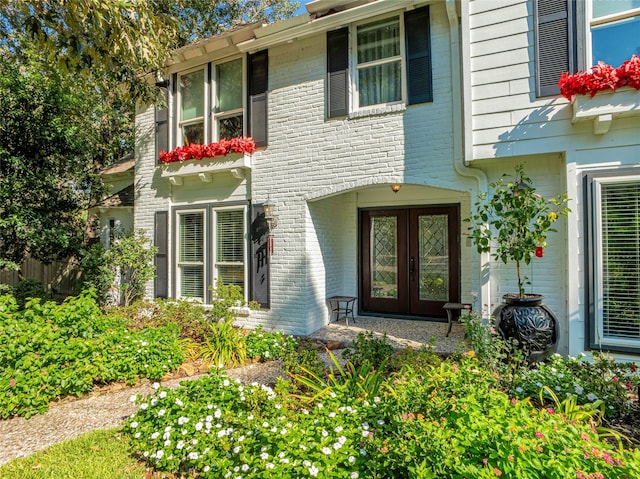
(302, 10)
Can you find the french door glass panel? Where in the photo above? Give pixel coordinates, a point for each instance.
(433, 260)
(384, 257)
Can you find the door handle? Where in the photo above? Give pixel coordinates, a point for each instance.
(412, 267)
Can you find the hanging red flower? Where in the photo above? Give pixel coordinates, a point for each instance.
(198, 152)
(602, 77)
(539, 251)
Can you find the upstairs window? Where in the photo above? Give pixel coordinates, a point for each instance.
(228, 107)
(214, 102)
(379, 63)
(191, 98)
(615, 30)
(391, 63)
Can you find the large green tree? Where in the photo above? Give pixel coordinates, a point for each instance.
(70, 74)
(46, 174)
(117, 40)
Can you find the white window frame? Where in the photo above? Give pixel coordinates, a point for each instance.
(209, 263)
(216, 116)
(599, 336)
(354, 67)
(214, 244)
(207, 94)
(179, 263)
(596, 22)
(211, 117)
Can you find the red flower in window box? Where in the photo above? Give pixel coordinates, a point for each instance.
(602, 77)
(198, 152)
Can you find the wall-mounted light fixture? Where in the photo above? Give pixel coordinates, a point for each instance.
(269, 214)
(163, 83)
(272, 222)
(396, 187)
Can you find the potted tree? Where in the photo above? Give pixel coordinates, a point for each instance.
(512, 222)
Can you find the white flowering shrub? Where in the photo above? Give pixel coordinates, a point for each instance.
(224, 429)
(601, 379)
(265, 346)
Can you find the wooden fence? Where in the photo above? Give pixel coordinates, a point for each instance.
(62, 278)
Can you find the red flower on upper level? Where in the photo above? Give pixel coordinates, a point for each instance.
(198, 152)
(602, 77)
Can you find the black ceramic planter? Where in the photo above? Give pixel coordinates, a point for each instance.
(529, 321)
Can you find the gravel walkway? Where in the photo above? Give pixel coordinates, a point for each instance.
(69, 418)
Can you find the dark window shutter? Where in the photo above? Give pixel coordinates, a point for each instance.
(418, 51)
(258, 84)
(161, 260)
(555, 43)
(162, 123)
(338, 72)
(259, 258)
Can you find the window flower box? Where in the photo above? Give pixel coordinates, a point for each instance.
(203, 161)
(592, 94)
(605, 106)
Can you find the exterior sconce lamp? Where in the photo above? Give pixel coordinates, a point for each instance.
(396, 187)
(269, 214)
(272, 222)
(163, 83)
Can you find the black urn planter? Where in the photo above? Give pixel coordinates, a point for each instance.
(529, 321)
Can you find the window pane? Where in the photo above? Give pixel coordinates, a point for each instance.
(191, 282)
(191, 252)
(384, 257)
(614, 43)
(620, 268)
(232, 275)
(192, 95)
(380, 84)
(193, 133)
(230, 127)
(191, 237)
(379, 40)
(229, 86)
(230, 236)
(602, 8)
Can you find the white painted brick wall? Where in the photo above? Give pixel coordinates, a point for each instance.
(329, 161)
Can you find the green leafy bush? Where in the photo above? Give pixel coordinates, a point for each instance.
(190, 317)
(29, 288)
(589, 381)
(448, 422)
(368, 348)
(302, 360)
(264, 345)
(130, 257)
(49, 351)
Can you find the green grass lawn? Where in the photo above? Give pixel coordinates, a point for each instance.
(103, 454)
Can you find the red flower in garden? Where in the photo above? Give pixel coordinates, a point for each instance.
(539, 252)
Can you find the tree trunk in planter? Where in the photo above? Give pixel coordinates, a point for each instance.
(529, 321)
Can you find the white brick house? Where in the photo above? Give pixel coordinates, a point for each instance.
(438, 97)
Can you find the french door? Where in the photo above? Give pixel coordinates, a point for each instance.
(410, 260)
